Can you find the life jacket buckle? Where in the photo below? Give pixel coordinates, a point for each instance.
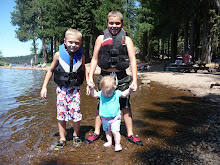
(66, 76)
(114, 59)
(73, 81)
(113, 52)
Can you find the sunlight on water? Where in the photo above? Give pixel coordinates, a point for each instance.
(15, 83)
(18, 96)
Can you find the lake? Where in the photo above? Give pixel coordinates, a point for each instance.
(29, 129)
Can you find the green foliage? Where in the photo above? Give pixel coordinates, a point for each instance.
(2, 63)
(150, 25)
(215, 28)
(130, 17)
(104, 7)
(19, 59)
(25, 18)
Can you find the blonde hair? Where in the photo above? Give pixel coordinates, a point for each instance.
(107, 82)
(74, 33)
(115, 13)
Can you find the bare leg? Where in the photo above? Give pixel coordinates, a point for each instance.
(62, 129)
(128, 120)
(117, 137)
(76, 127)
(98, 123)
(109, 139)
(96, 134)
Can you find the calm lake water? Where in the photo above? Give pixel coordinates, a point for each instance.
(29, 130)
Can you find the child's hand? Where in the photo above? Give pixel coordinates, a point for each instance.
(132, 88)
(91, 84)
(43, 93)
(88, 90)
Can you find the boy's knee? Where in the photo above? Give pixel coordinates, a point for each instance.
(126, 111)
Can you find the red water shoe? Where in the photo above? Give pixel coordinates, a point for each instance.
(134, 139)
(92, 138)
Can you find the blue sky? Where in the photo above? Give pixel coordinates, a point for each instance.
(10, 46)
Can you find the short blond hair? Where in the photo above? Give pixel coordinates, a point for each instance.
(107, 82)
(115, 13)
(74, 33)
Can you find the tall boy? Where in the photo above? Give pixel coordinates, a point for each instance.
(68, 67)
(113, 52)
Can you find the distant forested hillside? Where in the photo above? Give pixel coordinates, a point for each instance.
(20, 59)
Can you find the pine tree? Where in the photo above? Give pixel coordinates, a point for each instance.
(24, 17)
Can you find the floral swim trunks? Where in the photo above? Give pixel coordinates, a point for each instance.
(68, 103)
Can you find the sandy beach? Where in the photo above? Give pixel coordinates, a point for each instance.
(197, 83)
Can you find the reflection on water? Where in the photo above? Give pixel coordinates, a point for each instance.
(20, 105)
(29, 127)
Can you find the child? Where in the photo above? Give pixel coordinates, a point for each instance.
(109, 109)
(68, 67)
(113, 52)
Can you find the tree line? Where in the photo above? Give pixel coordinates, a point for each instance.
(156, 26)
(19, 60)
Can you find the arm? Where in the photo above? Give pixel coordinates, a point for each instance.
(128, 91)
(132, 58)
(49, 75)
(83, 64)
(86, 75)
(93, 92)
(94, 60)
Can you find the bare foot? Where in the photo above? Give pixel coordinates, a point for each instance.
(108, 144)
(118, 147)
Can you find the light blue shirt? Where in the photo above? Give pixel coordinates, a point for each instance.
(109, 106)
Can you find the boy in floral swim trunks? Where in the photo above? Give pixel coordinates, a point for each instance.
(69, 70)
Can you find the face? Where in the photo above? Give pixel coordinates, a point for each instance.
(108, 92)
(72, 43)
(114, 25)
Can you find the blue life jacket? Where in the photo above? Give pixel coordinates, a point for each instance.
(70, 71)
(113, 52)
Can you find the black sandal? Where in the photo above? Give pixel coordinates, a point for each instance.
(60, 144)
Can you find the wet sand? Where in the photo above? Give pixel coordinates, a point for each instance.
(176, 126)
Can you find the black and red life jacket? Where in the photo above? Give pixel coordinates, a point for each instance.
(113, 52)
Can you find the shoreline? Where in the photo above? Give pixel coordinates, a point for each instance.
(197, 83)
(23, 67)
